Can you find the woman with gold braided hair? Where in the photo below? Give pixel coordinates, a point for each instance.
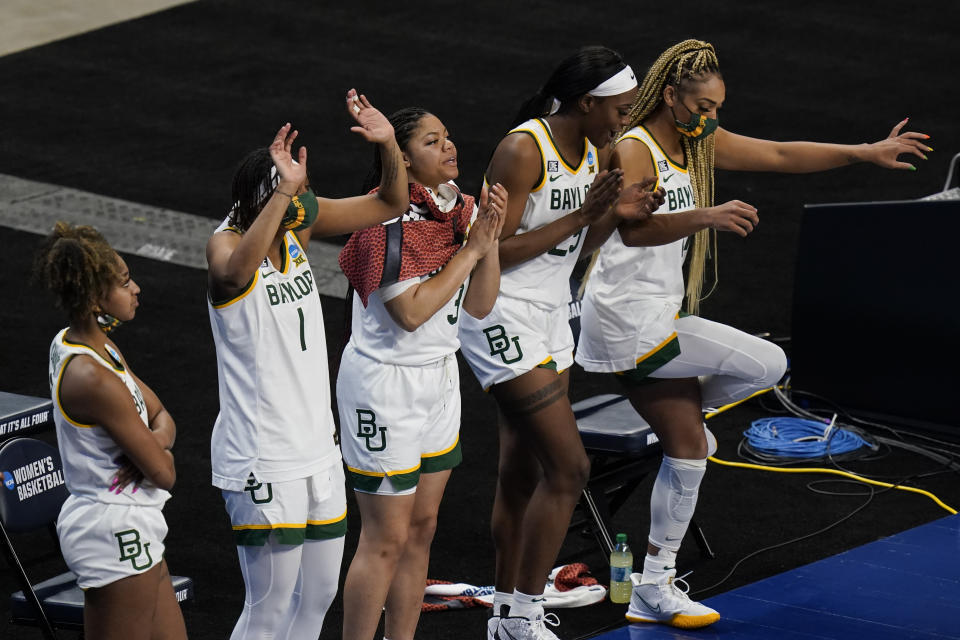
(673, 364)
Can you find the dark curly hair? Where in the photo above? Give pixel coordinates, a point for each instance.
(78, 265)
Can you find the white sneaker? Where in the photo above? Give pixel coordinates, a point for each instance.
(518, 628)
(493, 622)
(667, 603)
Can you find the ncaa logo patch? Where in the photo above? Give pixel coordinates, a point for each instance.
(553, 166)
(293, 250)
(590, 157)
(662, 165)
(8, 481)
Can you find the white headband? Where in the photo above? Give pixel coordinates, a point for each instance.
(621, 82)
(618, 83)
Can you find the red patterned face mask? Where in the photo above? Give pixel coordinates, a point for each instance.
(417, 243)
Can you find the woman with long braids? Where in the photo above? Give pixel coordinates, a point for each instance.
(673, 364)
(273, 450)
(114, 437)
(398, 390)
(550, 164)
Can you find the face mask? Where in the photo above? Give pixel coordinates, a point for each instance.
(301, 212)
(699, 126)
(107, 322)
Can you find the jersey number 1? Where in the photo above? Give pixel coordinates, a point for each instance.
(303, 337)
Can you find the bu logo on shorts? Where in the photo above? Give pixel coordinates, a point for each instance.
(368, 430)
(132, 549)
(253, 487)
(499, 343)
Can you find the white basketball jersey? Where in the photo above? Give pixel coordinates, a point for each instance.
(275, 419)
(562, 189)
(623, 272)
(87, 450)
(373, 331)
(633, 294)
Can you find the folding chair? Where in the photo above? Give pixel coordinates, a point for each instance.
(33, 493)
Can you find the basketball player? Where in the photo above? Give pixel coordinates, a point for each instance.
(398, 390)
(551, 167)
(273, 450)
(674, 364)
(114, 437)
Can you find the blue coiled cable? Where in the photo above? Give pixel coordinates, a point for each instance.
(800, 438)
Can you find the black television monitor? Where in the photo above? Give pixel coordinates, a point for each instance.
(876, 310)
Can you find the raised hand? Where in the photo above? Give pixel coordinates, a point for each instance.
(283, 159)
(372, 125)
(886, 151)
(736, 216)
(637, 202)
(603, 193)
(485, 230)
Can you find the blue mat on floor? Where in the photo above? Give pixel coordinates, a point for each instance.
(903, 587)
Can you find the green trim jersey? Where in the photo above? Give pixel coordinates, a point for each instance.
(562, 188)
(275, 419)
(633, 294)
(87, 450)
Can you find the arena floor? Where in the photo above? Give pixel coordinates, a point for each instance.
(135, 123)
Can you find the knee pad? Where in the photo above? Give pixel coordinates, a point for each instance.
(673, 500)
(711, 440)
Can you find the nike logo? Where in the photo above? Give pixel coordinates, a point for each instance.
(655, 609)
(669, 539)
(266, 275)
(552, 178)
(665, 180)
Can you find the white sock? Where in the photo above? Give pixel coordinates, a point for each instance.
(526, 605)
(502, 599)
(658, 568)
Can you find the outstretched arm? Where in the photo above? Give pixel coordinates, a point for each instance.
(633, 157)
(345, 215)
(740, 153)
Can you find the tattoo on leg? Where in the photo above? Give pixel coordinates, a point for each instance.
(534, 402)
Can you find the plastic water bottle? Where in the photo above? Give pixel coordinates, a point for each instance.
(621, 566)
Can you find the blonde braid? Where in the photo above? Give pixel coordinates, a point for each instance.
(690, 59)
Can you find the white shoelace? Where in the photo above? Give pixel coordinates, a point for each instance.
(548, 618)
(681, 586)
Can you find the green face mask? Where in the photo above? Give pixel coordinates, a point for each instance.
(699, 126)
(301, 212)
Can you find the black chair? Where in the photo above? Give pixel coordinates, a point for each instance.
(33, 493)
(623, 450)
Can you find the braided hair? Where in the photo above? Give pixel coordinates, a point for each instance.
(253, 184)
(78, 265)
(404, 122)
(687, 61)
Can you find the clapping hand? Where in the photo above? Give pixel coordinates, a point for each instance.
(288, 170)
(637, 202)
(485, 230)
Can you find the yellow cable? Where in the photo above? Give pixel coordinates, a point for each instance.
(836, 472)
(725, 407)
